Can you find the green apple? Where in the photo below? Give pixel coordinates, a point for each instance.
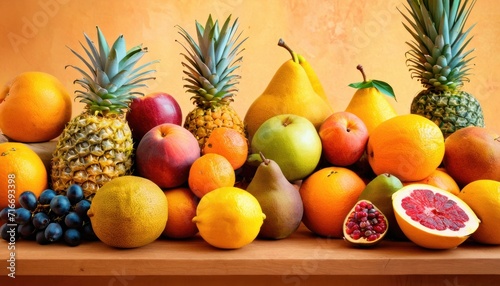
(291, 141)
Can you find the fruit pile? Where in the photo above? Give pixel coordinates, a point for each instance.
(129, 168)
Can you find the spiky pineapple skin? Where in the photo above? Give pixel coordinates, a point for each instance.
(451, 111)
(202, 121)
(92, 150)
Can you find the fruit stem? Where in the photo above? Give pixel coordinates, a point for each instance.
(360, 68)
(282, 43)
(264, 159)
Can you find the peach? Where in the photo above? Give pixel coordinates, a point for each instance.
(165, 154)
(343, 136)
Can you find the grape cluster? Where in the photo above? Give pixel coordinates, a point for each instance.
(49, 218)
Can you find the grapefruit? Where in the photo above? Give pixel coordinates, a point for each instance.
(432, 217)
(129, 212)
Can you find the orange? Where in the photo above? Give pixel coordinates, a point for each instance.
(483, 197)
(409, 147)
(229, 143)
(328, 195)
(21, 169)
(34, 107)
(182, 205)
(439, 178)
(209, 172)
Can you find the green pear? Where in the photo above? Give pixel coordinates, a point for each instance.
(379, 191)
(279, 199)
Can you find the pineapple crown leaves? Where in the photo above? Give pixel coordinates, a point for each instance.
(381, 86)
(211, 60)
(113, 77)
(438, 52)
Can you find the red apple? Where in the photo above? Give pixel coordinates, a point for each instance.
(165, 154)
(152, 110)
(344, 137)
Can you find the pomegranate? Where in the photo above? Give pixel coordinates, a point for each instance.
(365, 225)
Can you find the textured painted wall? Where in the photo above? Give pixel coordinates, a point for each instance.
(334, 35)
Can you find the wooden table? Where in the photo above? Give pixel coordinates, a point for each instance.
(302, 259)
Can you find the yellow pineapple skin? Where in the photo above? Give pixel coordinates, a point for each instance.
(91, 151)
(202, 121)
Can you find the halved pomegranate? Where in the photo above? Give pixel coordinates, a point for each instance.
(365, 225)
(432, 217)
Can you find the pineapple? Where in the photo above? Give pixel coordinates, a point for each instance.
(96, 146)
(438, 59)
(210, 66)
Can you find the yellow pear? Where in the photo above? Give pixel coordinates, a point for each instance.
(369, 102)
(313, 77)
(290, 91)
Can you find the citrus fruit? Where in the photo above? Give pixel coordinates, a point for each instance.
(483, 197)
(209, 172)
(432, 217)
(441, 179)
(34, 107)
(409, 147)
(128, 212)
(472, 153)
(328, 195)
(21, 169)
(229, 143)
(182, 205)
(229, 218)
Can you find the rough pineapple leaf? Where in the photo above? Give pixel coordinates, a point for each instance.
(383, 87)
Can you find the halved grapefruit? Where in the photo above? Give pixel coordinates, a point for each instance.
(432, 217)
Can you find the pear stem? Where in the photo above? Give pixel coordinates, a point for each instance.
(360, 68)
(282, 43)
(264, 159)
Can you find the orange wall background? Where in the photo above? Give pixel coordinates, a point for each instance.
(334, 35)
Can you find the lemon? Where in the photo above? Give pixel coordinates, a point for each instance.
(229, 217)
(128, 212)
(483, 197)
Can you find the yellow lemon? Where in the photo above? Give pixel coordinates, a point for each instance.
(229, 217)
(128, 212)
(483, 197)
